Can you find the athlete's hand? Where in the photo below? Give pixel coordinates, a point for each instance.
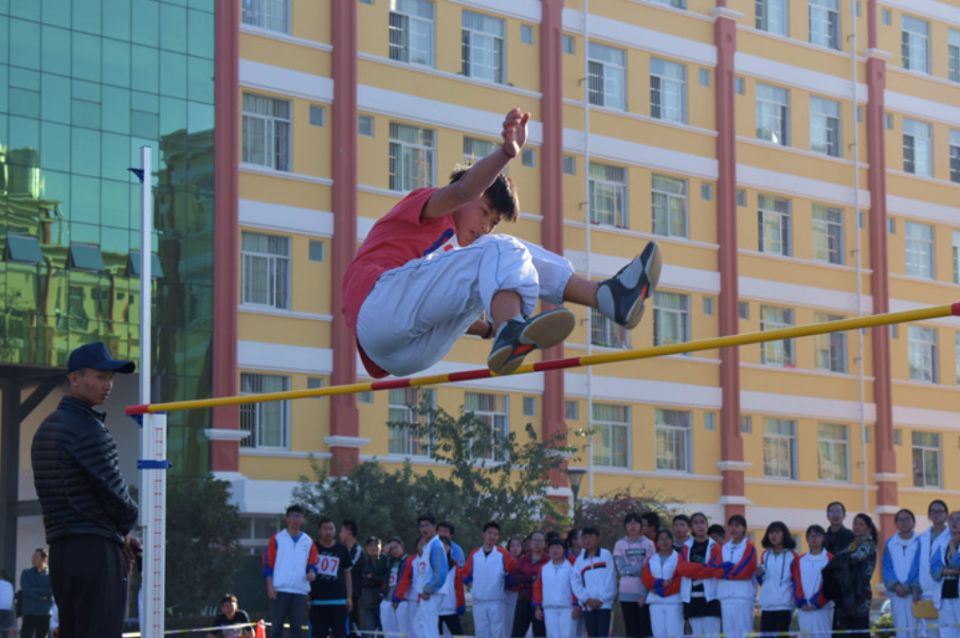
(271, 592)
(349, 604)
(538, 614)
(311, 576)
(514, 132)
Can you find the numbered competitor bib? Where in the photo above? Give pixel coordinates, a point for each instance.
(329, 566)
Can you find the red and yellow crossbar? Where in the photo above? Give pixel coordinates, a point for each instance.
(842, 325)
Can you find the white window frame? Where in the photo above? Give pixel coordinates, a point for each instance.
(828, 234)
(777, 353)
(669, 206)
(833, 445)
(922, 354)
(831, 349)
(608, 185)
(253, 414)
(274, 264)
(824, 18)
(926, 446)
(955, 156)
(955, 249)
(773, 114)
(274, 119)
(825, 131)
(265, 15)
(409, 22)
(776, 9)
(774, 225)
(497, 419)
(605, 428)
(475, 149)
(915, 44)
(919, 241)
(405, 440)
(420, 152)
(483, 36)
(606, 333)
(668, 91)
(670, 309)
(607, 76)
(953, 55)
(676, 4)
(956, 359)
(673, 441)
(776, 445)
(917, 148)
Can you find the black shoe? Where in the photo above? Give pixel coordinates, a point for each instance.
(621, 297)
(517, 339)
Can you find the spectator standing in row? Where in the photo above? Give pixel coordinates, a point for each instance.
(901, 573)
(856, 563)
(393, 560)
(737, 590)
(662, 580)
(430, 574)
(349, 539)
(945, 570)
(717, 533)
(595, 583)
(37, 597)
(524, 574)
(330, 599)
(485, 572)
(775, 575)
(229, 618)
(8, 623)
(815, 612)
(630, 554)
(453, 604)
(698, 587)
(681, 531)
(446, 530)
(553, 593)
(405, 597)
(516, 547)
(838, 537)
(87, 509)
(371, 586)
(289, 566)
(930, 541)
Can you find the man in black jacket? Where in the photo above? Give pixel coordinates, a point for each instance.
(87, 509)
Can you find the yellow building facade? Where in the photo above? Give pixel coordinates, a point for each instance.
(767, 197)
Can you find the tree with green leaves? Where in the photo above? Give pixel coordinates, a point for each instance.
(481, 475)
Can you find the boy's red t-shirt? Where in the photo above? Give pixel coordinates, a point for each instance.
(400, 236)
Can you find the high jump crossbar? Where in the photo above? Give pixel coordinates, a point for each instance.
(842, 325)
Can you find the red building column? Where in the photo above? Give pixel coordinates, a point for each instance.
(885, 457)
(733, 495)
(344, 418)
(224, 435)
(554, 427)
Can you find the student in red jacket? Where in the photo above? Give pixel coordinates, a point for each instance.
(662, 580)
(523, 576)
(737, 590)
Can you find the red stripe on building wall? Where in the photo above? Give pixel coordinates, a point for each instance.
(225, 455)
(731, 443)
(344, 417)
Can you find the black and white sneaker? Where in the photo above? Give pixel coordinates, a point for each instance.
(621, 297)
(517, 339)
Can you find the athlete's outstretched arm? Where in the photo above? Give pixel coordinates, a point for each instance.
(482, 174)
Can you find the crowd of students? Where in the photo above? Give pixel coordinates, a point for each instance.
(689, 578)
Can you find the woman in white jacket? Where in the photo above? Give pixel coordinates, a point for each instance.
(553, 599)
(945, 569)
(662, 580)
(901, 573)
(698, 585)
(815, 612)
(775, 576)
(930, 541)
(594, 583)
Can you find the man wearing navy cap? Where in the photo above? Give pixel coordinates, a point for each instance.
(87, 509)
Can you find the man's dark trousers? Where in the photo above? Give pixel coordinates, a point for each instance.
(291, 608)
(89, 579)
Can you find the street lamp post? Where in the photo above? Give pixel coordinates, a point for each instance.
(575, 476)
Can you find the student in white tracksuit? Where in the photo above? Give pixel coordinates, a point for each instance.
(390, 615)
(698, 586)
(485, 573)
(930, 540)
(553, 593)
(662, 580)
(737, 590)
(945, 569)
(775, 577)
(815, 612)
(594, 583)
(901, 573)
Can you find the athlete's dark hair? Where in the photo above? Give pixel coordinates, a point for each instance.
(907, 512)
(788, 542)
(651, 518)
(842, 506)
(737, 518)
(500, 194)
(716, 528)
(631, 517)
(869, 523)
(351, 525)
(491, 524)
(448, 525)
(681, 517)
(816, 529)
(430, 518)
(294, 509)
(939, 502)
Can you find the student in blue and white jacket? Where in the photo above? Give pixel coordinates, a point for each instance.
(930, 540)
(775, 576)
(594, 583)
(901, 573)
(945, 569)
(814, 611)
